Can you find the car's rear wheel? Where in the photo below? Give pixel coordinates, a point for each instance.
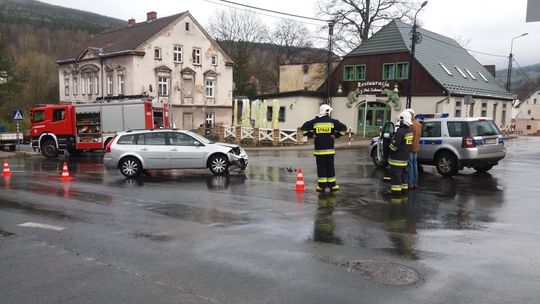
(482, 169)
(219, 165)
(130, 167)
(376, 161)
(446, 164)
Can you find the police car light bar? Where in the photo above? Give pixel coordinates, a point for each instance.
(433, 115)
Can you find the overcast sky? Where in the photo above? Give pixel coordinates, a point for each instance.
(488, 25)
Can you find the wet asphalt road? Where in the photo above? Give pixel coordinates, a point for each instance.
(188, 237)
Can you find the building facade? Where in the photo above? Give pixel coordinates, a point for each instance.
(527, 115)
(170, 60)
(369, 85)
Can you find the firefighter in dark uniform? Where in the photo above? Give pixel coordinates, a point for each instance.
(325, 129)
(398, 156)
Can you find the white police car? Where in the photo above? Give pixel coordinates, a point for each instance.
(449, 143)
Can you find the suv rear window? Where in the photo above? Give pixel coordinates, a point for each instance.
(431, 129)
(456, 128)
(483, 128)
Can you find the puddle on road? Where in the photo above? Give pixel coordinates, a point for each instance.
(4, 233)
(199, 215)
(65, 192)
(153, 237)
(39, 210)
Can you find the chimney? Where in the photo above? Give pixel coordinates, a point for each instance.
(151, 16)
(491, 69)
(131, 21)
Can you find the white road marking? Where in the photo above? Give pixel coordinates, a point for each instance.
(42, 226)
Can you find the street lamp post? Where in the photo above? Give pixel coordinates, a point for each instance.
(414, 37)
(510, 59)
(329, 61)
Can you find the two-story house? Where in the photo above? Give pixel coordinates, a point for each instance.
(370, 84)
(527, 117)
(171, 60)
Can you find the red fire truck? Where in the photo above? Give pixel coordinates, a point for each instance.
(90, 126)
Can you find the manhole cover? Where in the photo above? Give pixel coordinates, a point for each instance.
(384, 272)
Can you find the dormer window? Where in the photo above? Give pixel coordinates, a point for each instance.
(157, 53)
(483, 77)
(470, 74)
(445, 69)
(460, 71)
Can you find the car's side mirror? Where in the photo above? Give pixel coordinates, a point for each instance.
(386, 135)
(197, 144)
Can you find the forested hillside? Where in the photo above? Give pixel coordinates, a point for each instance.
(33, 35)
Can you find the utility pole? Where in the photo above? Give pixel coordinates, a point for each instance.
(510, 59)
(414, 40)
(329, 61)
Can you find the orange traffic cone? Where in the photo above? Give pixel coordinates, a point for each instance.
(300, 181)
(6, 171)
(65, 172)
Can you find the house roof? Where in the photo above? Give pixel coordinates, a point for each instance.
(433, 52)
(126, 40)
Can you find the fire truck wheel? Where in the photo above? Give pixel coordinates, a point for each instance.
(219, 165)
(130, 167)
(49, 149)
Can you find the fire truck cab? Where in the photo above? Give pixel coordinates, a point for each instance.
(90, 126)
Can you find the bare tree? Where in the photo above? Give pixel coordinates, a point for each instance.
(238, 33)
(357, 19)
(289, 39)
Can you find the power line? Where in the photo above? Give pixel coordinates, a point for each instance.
(524, 73)
(259, 13)
(275, 12)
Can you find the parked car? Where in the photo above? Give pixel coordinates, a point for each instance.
(449, 143)
(135, 151)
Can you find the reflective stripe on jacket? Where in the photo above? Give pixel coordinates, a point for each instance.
(400, 147)
(324, 129)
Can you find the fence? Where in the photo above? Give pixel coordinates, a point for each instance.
(258, 136)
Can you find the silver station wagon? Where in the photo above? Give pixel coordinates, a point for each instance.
(449, 143)
(135, 151)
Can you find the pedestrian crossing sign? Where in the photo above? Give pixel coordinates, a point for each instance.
(17, 115)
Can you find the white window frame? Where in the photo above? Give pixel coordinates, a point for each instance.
(121, 84)
(96, 84)
(210, 88)
(89, 84)
(66, 85)
(109, 85)
(83, 85)
(460, 71)
(196, 56)
(157, 53)
(163, 86)
(75, 85)
(214, 60)
(209, 118)
(177, 53)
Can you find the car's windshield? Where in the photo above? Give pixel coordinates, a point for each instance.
(200, 138)
(483, 128)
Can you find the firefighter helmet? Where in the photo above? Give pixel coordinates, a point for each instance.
(406, 118)
(324, 110)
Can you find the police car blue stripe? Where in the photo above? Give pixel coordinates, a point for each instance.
(431, 141)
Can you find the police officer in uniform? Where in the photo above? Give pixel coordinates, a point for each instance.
(398, 156)
(325, 129)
